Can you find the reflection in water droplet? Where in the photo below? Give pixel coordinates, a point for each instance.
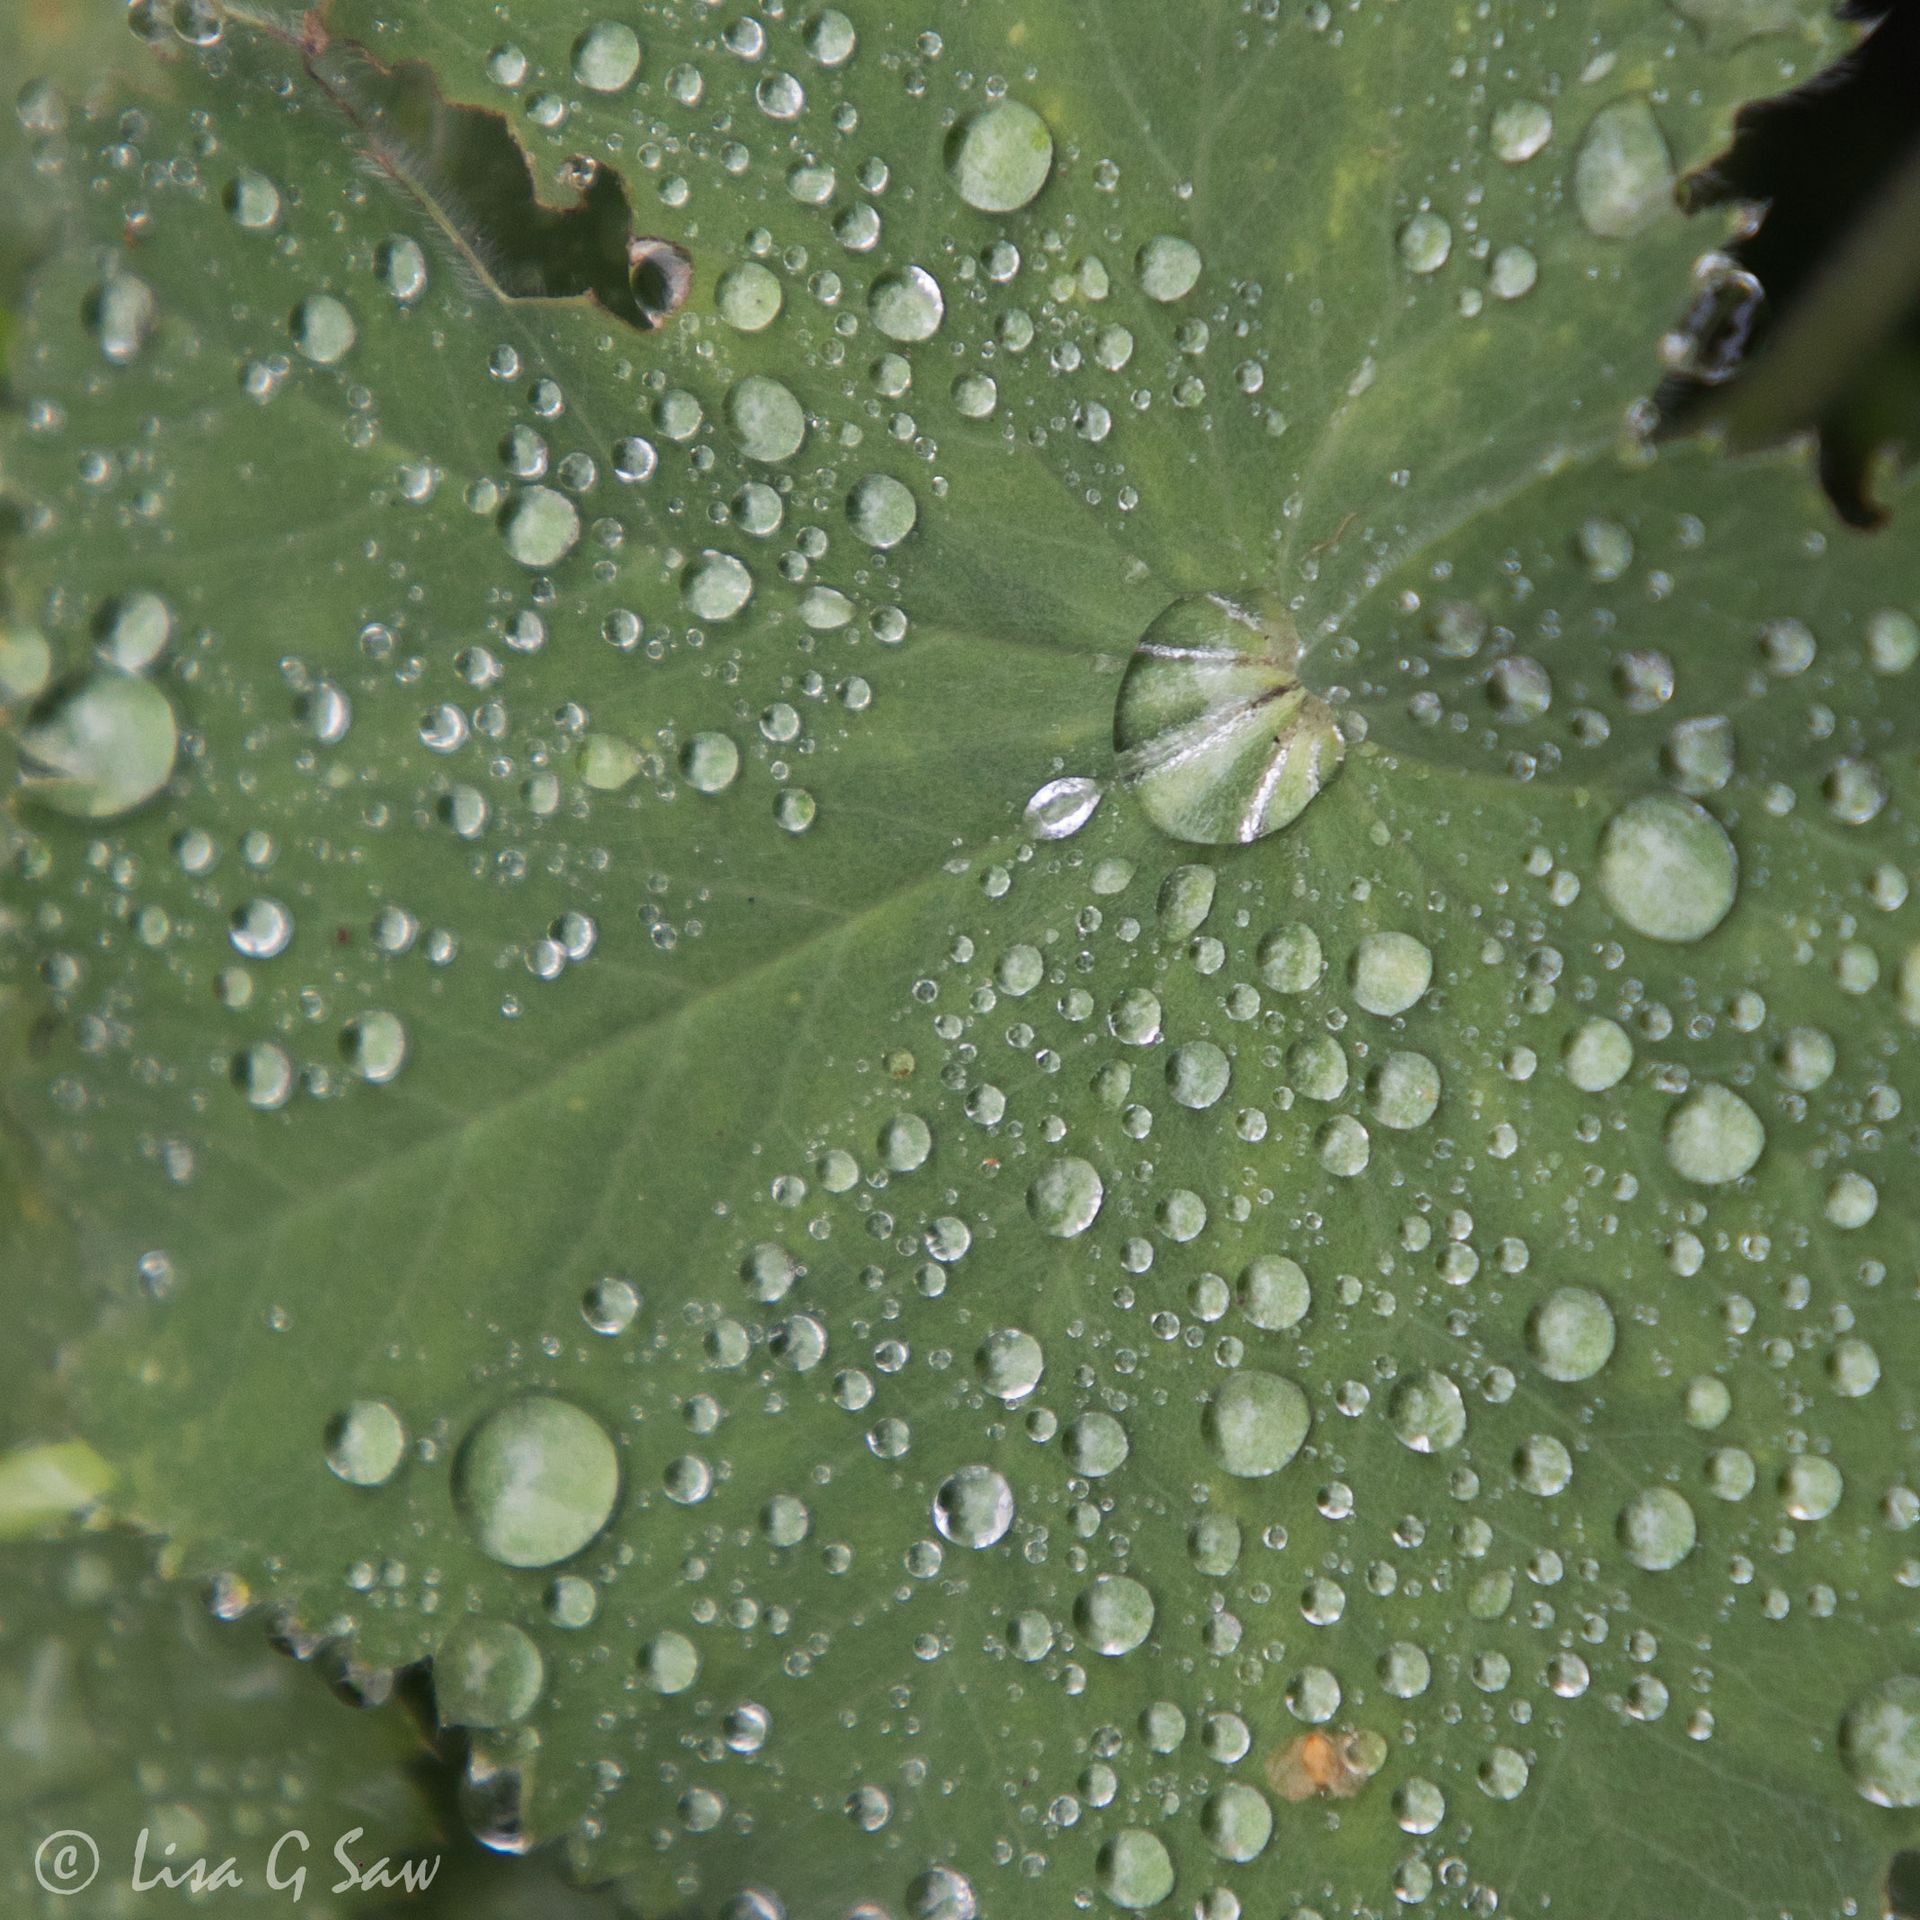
(375, 1046)
(1428, 1413)
(767, 421)
(1425, 242)
(748, 297)
(716, 586)
(710, 761)
(324, 329)
(536, 1480)
(1390, 972)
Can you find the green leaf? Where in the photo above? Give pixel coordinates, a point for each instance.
(912, 1336)
(127, 1710)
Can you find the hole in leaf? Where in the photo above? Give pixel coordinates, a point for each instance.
(466, 169)
(1903, 1885)
(1811, 316)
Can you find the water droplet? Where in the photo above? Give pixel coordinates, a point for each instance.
(1810, 1487)
(1571, 1333)
(1000, 158)
(1273, 1292)
(669, 1662)
(99, 746)
(366, 1443)
(254, 201)
(536, 1480)
(1256, 1423)
(1115, 1613)
(1215, 733)
(324, 329)
(881, 510)
(610, 1304)
(1425, 242)
(606, 57)
(767, 421)
(1237, 1821)
(374, 1046)
(1657, 1529)
(1428, 1413)
(1065, 1197)
(748, 297)
(540, 527)
(1667, 868)
(1597, 1055)
(134, 631)
(1623, 173)
(125, 314)
(1390, 972)
(1010, 1363)
(1095, 1444)
(1168, 268)
(1520, 129)
(486, 1673)
(907, 305)
(974, 1507)
(1061, 808)
(1713, 1136)
(1198, 1074)
(716, 586)
(1405, 1090)
(1880, 1743)
(710, 761)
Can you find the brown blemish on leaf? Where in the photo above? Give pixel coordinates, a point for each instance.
(1323, 1766)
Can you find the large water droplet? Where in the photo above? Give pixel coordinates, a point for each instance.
(1713, 1136)
(881, 510)
(1667, 868)
(1256, 1423)
(907, 305)
(99, 746)
(1571, 1333)
(1657, 1529)
(536, 1481)
(1237, 1821)
(1880, 1743)
(366, 1443)
(606, 57)
(999, 159)
(486, 1673)
(1115, 1613)
(1215, 733)
(767, 421)
(540, 527)
(1623, 173)
(974, 1507)
(1064, 1198)
(1428, 1413)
